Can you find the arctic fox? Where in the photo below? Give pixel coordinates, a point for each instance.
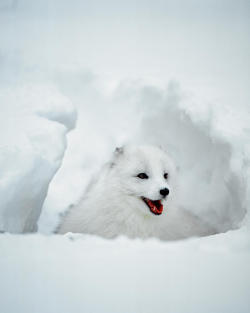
(134, 195)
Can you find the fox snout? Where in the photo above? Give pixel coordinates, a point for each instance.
(164, 192)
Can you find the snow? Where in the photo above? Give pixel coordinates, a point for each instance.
(145, 113)
(77, 273)
(34, 123)
(170, 73)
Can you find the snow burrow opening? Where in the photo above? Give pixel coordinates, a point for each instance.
(211, 185)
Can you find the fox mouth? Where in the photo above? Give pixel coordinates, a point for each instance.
(155, 206)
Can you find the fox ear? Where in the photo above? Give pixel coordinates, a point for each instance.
(161, 148)
(119, 151)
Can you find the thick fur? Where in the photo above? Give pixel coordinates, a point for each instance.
(113, 204)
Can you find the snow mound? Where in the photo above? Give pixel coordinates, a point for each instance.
(209, 144)
(34, 121)
(79, 273)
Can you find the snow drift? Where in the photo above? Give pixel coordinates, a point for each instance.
(77, 273)
(34, 123)
(208, 143)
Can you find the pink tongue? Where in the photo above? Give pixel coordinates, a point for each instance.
(155, 206)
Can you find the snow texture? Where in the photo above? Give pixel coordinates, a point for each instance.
(174, 74)
(77, 273)
(34, 123)
(210, 153)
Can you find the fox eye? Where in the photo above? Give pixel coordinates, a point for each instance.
(142, 176)
(166, 175)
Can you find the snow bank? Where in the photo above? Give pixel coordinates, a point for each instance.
(210, 147)
(34, 121)
(115, 107)
(77, 273)
(208, 143)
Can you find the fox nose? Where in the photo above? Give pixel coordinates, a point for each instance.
(164, 192)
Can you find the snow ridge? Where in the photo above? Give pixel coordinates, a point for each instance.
(34, 124)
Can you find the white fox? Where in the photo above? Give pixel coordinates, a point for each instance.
(134, 195)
